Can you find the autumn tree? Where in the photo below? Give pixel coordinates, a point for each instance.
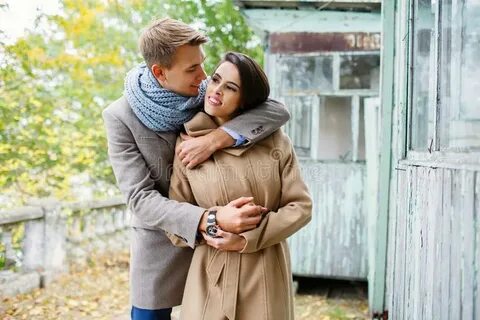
(56, 80)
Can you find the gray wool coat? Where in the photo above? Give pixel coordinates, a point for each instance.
(142, 163)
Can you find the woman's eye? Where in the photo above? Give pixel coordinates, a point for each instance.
(215, 80)
(232, 88)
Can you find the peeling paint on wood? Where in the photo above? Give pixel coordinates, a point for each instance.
(301, 42)
(334, 243)
(435, 265)
(269, 21)
(433, 269)
(345, 4)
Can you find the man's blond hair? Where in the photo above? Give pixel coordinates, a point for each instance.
(159, 41)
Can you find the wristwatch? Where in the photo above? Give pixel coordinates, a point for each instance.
(212, 223)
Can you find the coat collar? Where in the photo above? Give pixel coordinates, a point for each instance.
(202, 124)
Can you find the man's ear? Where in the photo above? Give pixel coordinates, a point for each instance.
(159, 72)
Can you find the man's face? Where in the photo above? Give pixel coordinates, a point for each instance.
(186, 72)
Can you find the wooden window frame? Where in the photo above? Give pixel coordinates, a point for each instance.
(336, 91)
(355, 95)
(315, 127)
(433, 156)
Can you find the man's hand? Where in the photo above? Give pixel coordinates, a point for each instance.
(194, 151)
(226, 241)
(240, 215)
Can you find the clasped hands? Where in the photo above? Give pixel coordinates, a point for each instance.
(236, 217)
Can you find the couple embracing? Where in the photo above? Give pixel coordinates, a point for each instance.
(212, 182)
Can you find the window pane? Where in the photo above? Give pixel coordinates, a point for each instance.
(460, 85)
(359, 71)
(323, 73)
(361, 131)
(299, 128)
(305, 74)
(471, 67)
(335, 135)
(423, 86)
(297, 74)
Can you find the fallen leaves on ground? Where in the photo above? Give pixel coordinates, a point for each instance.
(317, 307)
(99, 290)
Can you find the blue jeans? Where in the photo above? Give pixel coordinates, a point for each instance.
(145, 314)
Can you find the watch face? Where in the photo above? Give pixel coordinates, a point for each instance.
(212, 231)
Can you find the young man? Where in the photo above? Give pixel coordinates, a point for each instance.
(142, 127)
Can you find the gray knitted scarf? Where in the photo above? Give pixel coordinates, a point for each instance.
(157, 108)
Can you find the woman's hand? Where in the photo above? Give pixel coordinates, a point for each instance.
(194, 151)
(226, 241)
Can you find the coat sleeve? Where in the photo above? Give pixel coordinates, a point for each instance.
(180, 190)
(295, 209)
(135, 182)
(259, 122)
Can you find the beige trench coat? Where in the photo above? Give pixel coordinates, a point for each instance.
(256, 283)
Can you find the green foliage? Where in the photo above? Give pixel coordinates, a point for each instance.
(55, 82)
(337, 314)
(224, 26)
(2, 257)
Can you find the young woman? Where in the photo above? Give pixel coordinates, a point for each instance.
(241, 276)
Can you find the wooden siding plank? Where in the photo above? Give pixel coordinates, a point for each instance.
(371, 125)
(434, 194)
(414, 252)
(476, 304)
(355, 126)
(334, 243)
(467, 219)
(392, 256)
(392, 259)
(399, 269)
(446, 245)
(409, 265)
(423, 215)
(455, 257)
(434, 311)
(418, 213)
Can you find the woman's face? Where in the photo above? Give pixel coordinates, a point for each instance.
(223, 95)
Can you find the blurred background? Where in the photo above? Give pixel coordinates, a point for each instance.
(61, 63)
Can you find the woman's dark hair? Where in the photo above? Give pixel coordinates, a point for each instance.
(254, 87)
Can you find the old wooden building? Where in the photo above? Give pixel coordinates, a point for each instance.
(429, 174)
(323, 61)
(394, 178)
